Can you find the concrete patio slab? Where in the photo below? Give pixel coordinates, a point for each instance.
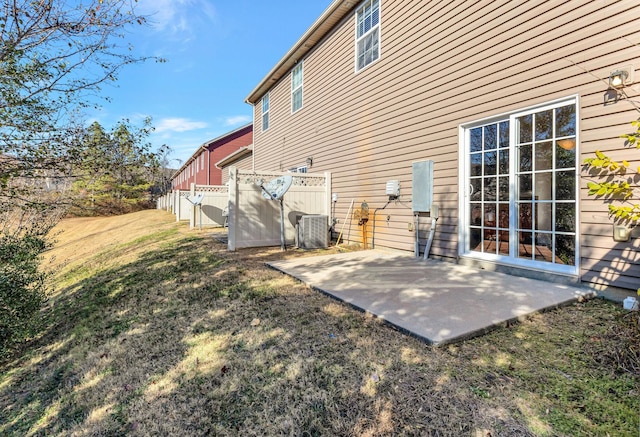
(436, 301)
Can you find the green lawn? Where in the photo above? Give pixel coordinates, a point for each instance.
(158, 330)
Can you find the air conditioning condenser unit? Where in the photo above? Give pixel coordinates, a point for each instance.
(312, 232)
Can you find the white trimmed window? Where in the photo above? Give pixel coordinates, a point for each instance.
(367, 33)
(265, 112)
(296, 87)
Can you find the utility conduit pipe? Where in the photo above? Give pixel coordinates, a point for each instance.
(432, 231)
(373, 237)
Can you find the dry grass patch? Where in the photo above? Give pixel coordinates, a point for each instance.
(158, 330)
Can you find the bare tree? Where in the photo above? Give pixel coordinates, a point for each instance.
(54, 55)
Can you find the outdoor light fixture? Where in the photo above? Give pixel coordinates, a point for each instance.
(309, 162)
(567, 144)
(618, 78)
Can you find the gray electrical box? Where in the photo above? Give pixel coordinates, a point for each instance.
(422, 186)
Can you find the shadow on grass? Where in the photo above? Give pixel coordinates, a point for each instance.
(89, 328)
(189, 339)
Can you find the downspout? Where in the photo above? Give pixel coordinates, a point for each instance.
(208, 155)
(205, 149)
(253, 137)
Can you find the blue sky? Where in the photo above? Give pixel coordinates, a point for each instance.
(217, 51)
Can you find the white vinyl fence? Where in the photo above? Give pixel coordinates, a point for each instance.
(181, 205)
(255, 221)
(213, 208)
(163, 202)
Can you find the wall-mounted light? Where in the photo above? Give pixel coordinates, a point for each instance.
(567, 144)
(309, 162)
(618, 78)
(621, 233)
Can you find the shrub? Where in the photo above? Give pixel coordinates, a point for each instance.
(22, 285)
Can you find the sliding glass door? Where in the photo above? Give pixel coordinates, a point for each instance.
(521, 180)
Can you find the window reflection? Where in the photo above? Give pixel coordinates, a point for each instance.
(475, 140)
(566, 249)
(490, 137)
(565, 185)
(503, 189)
(504, 134)
(544, 156)
(490, 189)
(526, 187)
(544, 186)
(476, 164)
(544, 123)
(490, 161)
(526, 127)
(565, 121)
(524, 158)
(544, 180)
(565, 218)
(565, 158)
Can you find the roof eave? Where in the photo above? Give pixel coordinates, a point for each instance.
(242, 151)
(329, 18)
(206, 144)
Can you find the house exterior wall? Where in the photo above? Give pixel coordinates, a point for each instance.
(442, 66)
(200, 168)
(217, 150)
(194, 171)
(243, 163)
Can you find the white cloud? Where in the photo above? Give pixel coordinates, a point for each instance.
(176, 16)
(238, 119)
(178, 125)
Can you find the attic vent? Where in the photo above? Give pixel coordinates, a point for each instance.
(312, 232)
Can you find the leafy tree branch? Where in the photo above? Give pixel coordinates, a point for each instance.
(620, 185)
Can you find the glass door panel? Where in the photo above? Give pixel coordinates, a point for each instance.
(522, 176)
(546, 175)
(489, 188)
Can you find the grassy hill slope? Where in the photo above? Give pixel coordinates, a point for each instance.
(153, 329)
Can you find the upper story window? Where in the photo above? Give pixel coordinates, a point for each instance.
(296, 87)
(367, 33)
(265, 112)
(300, 169)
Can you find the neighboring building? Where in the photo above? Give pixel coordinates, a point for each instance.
(507, 98)
(241, 159)
(200, 167)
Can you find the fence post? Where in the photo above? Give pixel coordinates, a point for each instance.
(192, 216)
(327, 194)
(232, 218)
(177, 205)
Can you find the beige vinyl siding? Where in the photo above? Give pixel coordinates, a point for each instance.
(444, 64)
(244, 163)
